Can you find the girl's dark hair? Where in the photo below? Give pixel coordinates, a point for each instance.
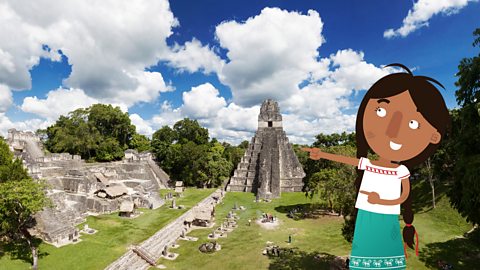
(429, 103)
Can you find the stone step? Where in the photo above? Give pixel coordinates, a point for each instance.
(144, 255)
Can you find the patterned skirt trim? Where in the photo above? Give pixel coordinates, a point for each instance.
(393, 262)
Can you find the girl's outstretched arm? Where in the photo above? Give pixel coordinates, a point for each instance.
(316, 154)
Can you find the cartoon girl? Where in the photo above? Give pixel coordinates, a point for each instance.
(402, 119)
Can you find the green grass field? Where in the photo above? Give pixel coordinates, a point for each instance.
(440, 232)
(242, 249)
(114, 236)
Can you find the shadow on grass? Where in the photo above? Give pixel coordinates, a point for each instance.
(302, 211)
(297, 259)
(422, 195)
(20, 251)
(461, 253)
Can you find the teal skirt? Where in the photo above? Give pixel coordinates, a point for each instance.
(377, 242)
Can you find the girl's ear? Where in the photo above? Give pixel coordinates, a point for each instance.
(436, 137)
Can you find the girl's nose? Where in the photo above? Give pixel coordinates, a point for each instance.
(394, 125)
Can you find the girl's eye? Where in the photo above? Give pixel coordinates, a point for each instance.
(381, 111)
(413, 124)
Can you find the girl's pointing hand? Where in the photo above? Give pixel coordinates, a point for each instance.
(315, 153)
(373, 197)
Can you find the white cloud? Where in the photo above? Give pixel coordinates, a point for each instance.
(149, 85)
(168, 116)
(193, 56)
(330, 96)
(27, 125)
(202, 101)
(108, 45)
(233, 123)
(21, 50)
(270, 58)
(6, 98)
(422, 11)
(318, 107)
(303, 131)
(58, 102)
(353, 72)
(230, 123)
(271, 54)
(143, 126)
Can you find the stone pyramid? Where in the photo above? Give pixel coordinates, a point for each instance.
(269, 165)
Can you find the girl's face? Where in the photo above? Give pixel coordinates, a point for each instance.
(395, 130)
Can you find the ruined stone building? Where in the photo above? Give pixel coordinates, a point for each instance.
(269, 165)
(79, 189)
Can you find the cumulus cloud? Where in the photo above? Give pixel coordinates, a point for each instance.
(143, 126)
(108, 45)
(58, 102)
(110, 48)
(303, 131)
(27, 125)
(149, 85)
(168, 116)
(202, 101)
(193, 56)
(269, 58)
(230, 122)
(233, 123)
(268, 55)
(422, 11)
(6, 98)
(21, 50)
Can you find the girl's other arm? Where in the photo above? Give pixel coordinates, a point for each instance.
(317, 154)
(374, 198)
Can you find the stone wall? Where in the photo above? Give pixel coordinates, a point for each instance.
(73, 185)
(165, 237)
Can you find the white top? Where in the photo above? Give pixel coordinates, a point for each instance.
(387, 182)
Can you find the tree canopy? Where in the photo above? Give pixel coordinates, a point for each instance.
(465, 193)
(100, 133)
(187, 155)
(20, 198)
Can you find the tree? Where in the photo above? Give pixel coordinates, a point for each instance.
(428, 168)
(10, 169)
(140, 142)
(335, 139)
(185, 153)
(111, 122)
(161, 141)
(233, 154)
(332, 181)
(100, 132)
(465, 193)
(215, 167)
(324, 142)
(20, 198)
(190, 130)
(244, 144)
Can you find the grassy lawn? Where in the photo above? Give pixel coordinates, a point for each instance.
(440, 232)
(114, 236)
(242, 248)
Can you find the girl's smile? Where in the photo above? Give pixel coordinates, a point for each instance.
(395, 146)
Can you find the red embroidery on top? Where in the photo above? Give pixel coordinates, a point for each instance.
(381, 171)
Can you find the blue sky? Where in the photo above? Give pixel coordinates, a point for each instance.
(216, 61)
